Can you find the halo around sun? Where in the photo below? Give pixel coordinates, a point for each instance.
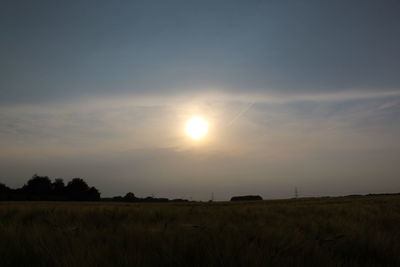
(196, 128)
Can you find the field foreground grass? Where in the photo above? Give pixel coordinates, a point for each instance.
(344, 231)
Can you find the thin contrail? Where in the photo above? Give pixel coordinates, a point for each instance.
(241, 113)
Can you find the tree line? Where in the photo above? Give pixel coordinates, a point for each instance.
(43, 188)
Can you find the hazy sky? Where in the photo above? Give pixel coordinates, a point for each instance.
(297, 93)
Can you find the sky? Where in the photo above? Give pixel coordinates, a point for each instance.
(299, 94)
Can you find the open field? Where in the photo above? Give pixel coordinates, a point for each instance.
(344, 231)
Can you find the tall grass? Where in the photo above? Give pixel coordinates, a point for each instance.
(362, 231)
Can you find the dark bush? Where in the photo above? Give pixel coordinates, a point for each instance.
(130, 197)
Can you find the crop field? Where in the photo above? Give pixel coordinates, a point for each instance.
(340, 231)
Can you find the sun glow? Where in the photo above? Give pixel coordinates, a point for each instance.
(196, 128)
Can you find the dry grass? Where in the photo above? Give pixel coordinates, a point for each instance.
(362, 231)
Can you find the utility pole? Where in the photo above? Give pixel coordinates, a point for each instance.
(296, 192)
(212, 196)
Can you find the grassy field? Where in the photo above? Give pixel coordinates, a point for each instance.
(348, 231)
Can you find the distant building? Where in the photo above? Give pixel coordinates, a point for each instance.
(246, 198)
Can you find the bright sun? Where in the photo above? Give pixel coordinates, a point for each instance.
(196, 128)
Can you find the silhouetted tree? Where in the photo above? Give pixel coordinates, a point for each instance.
(130, 197)
(3, 188)
(58, 186)
(77, 184)
(93, 194)
(58, 189)
(38, 187)
(77, 189)
(4, 192)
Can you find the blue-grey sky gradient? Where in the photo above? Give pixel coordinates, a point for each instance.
(71, 48)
